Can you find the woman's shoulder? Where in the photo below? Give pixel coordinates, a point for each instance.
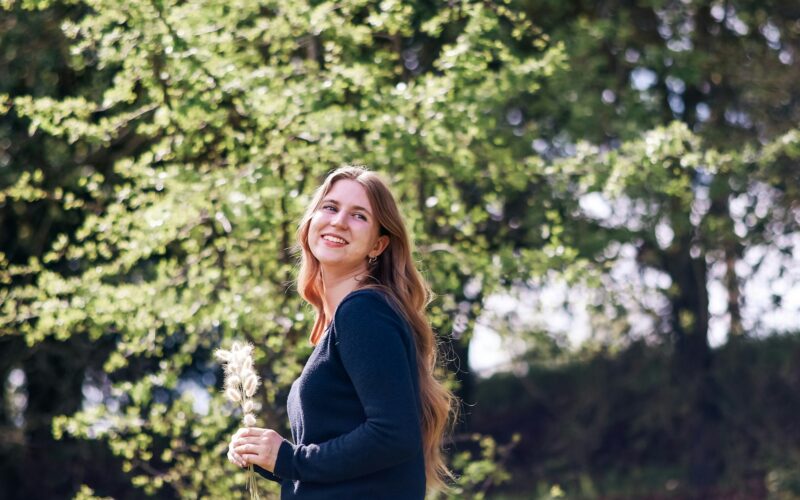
(364, 298)
(367, 304)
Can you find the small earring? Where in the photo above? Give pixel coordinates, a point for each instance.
(373, 260)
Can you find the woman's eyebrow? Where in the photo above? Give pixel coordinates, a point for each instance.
(357, 207)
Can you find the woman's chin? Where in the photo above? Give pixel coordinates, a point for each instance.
(327, 257)
(342, 267)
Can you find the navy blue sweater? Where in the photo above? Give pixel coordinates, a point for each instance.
(355, 410)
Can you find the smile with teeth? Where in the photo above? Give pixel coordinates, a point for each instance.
(334, 239)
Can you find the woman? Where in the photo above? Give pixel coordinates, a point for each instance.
(367, 414)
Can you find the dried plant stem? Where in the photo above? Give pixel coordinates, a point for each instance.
(252, 486)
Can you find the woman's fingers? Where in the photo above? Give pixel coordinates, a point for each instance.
(254, 445)
(259, 440)
(242, 432)
(249, 440)
(251, 432)
(236, 459)
(236, 440)
(249, 448)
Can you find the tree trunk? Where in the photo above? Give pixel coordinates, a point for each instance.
(692, 366)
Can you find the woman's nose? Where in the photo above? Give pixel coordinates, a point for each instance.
(339, 219)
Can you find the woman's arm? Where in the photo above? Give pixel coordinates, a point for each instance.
(369, 339)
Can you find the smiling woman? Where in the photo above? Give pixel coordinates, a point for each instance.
(342, 231)
(367, 413)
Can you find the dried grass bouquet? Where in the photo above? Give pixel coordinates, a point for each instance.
(241, 383)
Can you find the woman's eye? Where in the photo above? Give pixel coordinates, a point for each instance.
(329, 208)
(360, 216)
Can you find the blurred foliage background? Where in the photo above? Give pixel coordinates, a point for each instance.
(634, 163)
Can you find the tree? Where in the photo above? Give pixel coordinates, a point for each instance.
(697, 197)
(47, 378)
(199, 152)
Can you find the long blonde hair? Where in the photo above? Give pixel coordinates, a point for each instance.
(395, 273)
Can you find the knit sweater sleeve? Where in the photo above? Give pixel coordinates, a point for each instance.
(266, 474)
(369, 339)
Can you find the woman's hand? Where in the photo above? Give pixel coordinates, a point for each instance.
(253, 445)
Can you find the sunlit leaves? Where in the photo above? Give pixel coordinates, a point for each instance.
(218, 119)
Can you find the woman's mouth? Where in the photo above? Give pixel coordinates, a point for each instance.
(334, 239)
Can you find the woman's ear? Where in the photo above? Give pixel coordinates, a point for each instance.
(380, 245)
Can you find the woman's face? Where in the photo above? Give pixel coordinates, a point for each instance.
(343, 231)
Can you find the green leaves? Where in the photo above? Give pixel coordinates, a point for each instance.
(217, 120)
(186, 138)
